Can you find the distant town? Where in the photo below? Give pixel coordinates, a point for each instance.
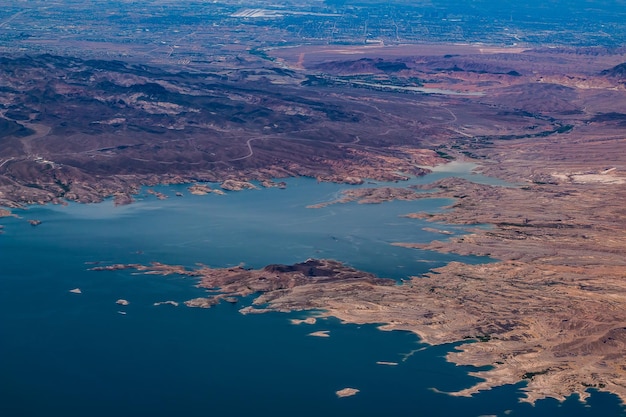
(187, 32)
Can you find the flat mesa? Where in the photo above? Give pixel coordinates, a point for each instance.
(347, 392)
(387, 363)
(321, 333)
(122, 302)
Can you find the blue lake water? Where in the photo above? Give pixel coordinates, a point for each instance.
(64, 354)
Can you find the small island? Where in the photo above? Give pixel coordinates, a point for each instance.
(308, 320)
(169, 302)
(320, 333)
(387, 363)
(199, 189)
(235, 185)
(347, 392)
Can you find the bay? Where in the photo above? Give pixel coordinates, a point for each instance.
(75, 355)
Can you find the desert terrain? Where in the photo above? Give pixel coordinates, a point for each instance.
(550, 121)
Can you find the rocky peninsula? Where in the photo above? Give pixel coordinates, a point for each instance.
(549, 312)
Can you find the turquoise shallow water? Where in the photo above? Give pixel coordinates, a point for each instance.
(64, 354)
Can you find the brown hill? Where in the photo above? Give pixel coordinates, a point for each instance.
(618, 71)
